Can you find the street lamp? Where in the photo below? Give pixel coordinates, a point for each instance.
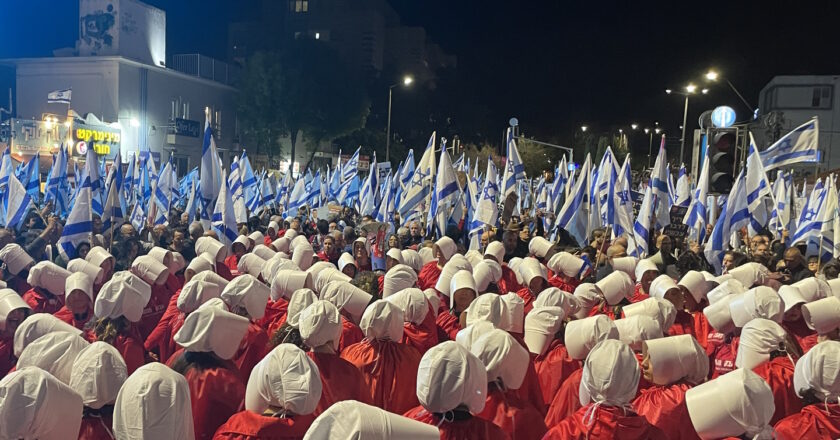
(650, 132)
(407, 80)
(583, 128)
(634, 126)
(690, 89)
(713, 75)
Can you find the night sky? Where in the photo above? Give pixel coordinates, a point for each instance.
(553, 64)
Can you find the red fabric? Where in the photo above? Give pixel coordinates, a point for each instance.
(607, 423)
(694, 324)
(267, 240)
(664, 407)
(553, 368)
(380, 283)
(160, 340)
(528, 297)
(638, 295)
(805, 337)
(131, 350)
(340, 380)
(350, 334)
(253, 348)
(223, 271)
(722, 350)
(7, 355)
(154, 310)
(275, 315)
(564, 283)
(566, 401)
(18, 284)
(215, 394)
(508, 281)
(603, 309)
(96, 427)
(448, 326)
(474, 428)
(232, 263)
(778, 373)
(530, 390)
(812, 423)
(175, 282)
(518, 418)
(428, 276)
(42, 301)
(66, 315)
(390, 372)
(423, 336)
(246, 425)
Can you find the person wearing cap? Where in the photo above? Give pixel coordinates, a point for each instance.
(118, 308)
(609, 382)
(536, 280)
(770, 352)
(646, 272)
(98, 373)
(420, 329)
(101, 258)
(451, 387)
(347, 265)
(568, 270)
(613, 292)
(286, 329)
(320, 329)
(155, 274)
(78, 301)
(47, 292)
(388, 366)
(36, 405)
(396, 278)
(581, 336)
(271, 232)
(209, 337)
(817, 382)
(463, 291)
(361, 254)
(443, 250)
(13, 312)
(15, 266)
(544, 339)
(690, 319)
(154, 403)
(736, 405)
(496, 251)
(356, 420)
(793, 320)
(248, 297)
(671, 366)
(238, 249)
(505, 362)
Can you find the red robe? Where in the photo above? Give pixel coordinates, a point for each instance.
(268, 240)
(7, 355)
(448, 326)
(232, 263)
(350, 334)
(18, 284)
(154, 310)
(553, 368)
(253, 348)
(423, 336)
(474, 428)
(390, 372)
(722, 350)
(664, 407)
(805, 337)
(517, 418)
(607, 423)
(215, 394)
(604, 309)
(42, 301)
(508, 281)
(528, 297)
(428, 276)
(131, 350)
(160, 340)
(223, 271)
(340, 380)
(812, 423)
(638, 295)
(778, 373)
(246, 425)
(567, 400)
(564, 283)
(96, 427)
(275, 315)
(67, 316)
(694, 324)
(530, 390)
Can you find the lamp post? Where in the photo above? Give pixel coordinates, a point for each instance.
(407, 80)
(690, 89)
(712, 76)
(650, 132)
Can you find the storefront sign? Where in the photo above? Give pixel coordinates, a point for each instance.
(105, 141)
(186, 127)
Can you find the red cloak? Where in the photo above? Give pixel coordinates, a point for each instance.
(638, 295)
(606, 423)
(508, 282)
(518, 418)
(42, 301)
(423, 336)
(473, 428)
(96, 427)
(160, 340)
(528, 297)
(722, 350)
(553, 368)
(215, 394)
(778, 373)
(350, 334)
(390, 372)
(340, 380)
(664, 407)
(814, 422)
(246, 425)
(694, 324)
(805, 337)
(131, 350)
(428, 276)
(567, 400)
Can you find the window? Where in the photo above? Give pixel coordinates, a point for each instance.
(299, 6)
(217, 122)
(799, 97)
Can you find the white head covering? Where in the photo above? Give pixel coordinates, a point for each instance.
(696, 284)
(38, 325)
(383, 321)
(791, 296)
(513, 313)
(643, 266)
(150, 270)
(583, 334)
(36, 405)
(319, 324)
(750, 274)
(396, 254)
(758, 302)
(244, 241)
(819, 370)
(398, 278)
(79, 281)
(202, 263)
(759, 338)
(503, 358)
(473, 256)
(488, 308)
(567, 264)
(626, 265)
(822, 315)
(250, 264)
(263, 251)
(450, 376)
(303, 255)
(347, 297)
(15, 258)
(539, 246)
(718, 315)
(637, 329)
(361, 241)
(9, 302)
(455, 264)
(317, 267)
(211, 329)
(541, 326)
(195, 293)
(154, 403)
(301, 299)
(273, 225)
(447, 246)
(661, 285)
(555, 297)
(427, 255)
(413, 303)
(486, 272)
(247, 292)
(258, 238)
(212, 246)
(286, 282)
(411, 258)
(659, 309)
(48, 275)
(281, 244)
(727, 287)
(813, 288)
(346, 259)
(610, 375)
(350, 419)
(531, 268)
(53, 353)
(467, 337)
(160, 254)
(125, 294)
(496, 250)
(733, 404)
(615, 287)
(98, 373)
(327, 276)
(675, 358)
(97, 256)
(587, 296)
(79, 265)
(286, 378)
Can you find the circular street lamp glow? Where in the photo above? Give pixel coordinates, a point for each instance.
(712, 75)
(634, 126)
(583, 128)
(408, 80)
(691, 88)
(704, 91)
(668, 91)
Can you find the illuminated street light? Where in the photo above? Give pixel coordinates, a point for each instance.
(583, 128)
(647, 130)
(406, 81)
(634, 126)
(704, 91)
(668, 91)
(711, 75)
(691, 88)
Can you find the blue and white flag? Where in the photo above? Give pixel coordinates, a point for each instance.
(385, 213)
(16, 203)
(643, 225)
(192, 200)
(759, 196)
(514, 169)
(407, 169)
(92, 172)
(798, 146)
(164, 191)
(780, 218)
(659, 178)
(695, 216)
(6, 168)
(683, 188)
(351, 168)
(250, 183)
(60, 96)
(368, 191)
(413, 202)
(827, 245)
(447, 192)
(115, 206)
(137, 217)
(734, 216)
(32, 178)
(623, 201)
(605, 187)
(811, 218)
(487, 209)
(57, 189)
(79, 226)
(237, 192)
(297, 198)
(210, 176)
(313, 191)
(574, 215)
(224, 220)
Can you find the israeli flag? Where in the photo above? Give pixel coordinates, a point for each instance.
(210, 176)
(413, 199)
(487, 209)
(574, 215)
(16, 203)
(798, 146)
(92, 172)
(607, 177)
(115, 205)
(297, 198)
(192, 200)
(250, 183)
(809, 224)
(385, 213)
(780, 217)
(683, 189)
(31, 178)
(57, 189)
(224, 220)
(695, 216)
(407, 169)
(79, 226)
(447, 192)
(163, 193)
(368, 191)
(514, 169)
(623, 201)
(734, 216)
(6, 169)
(60, 96)
(759, 196)
(659, 178)
(826, 246)
(351, 168)
(237, 193)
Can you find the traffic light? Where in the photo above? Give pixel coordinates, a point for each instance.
(722, 155)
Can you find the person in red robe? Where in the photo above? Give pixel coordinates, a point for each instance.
(154, 402)
(320, 329)
(443, 250)
(388, 367)
(98, 373)
(78, 306)
(280, 400)
(610, 381)
(35, 404)
(13, 310)
(155, 274)
(463, 291)
(579, 336)
(47, 293)
(238, 249)
(536, 280)
(351, 303)
(419, 329)
(543, 337)
(247, 297)
(271, 232)
(450, 405)
(506, 362)
(793, 321)
(672, 366)
(118, 307)
(210, 336)
(15, 268)
(817, 383)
